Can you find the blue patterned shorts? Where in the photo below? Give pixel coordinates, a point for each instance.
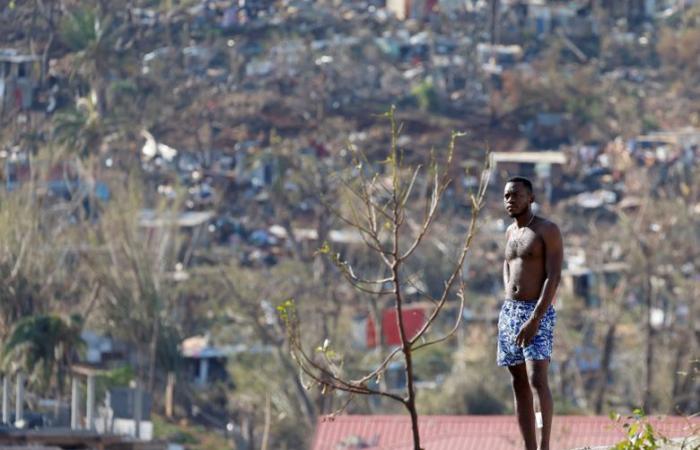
(513, 316)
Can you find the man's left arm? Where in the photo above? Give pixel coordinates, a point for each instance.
(554, 257)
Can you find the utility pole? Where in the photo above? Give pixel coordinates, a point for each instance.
(19, 397)
(494, 22)
(5, 399)
(75, 403)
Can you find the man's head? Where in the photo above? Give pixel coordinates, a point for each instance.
(518, 196)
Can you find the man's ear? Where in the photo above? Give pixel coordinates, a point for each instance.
(532, 198)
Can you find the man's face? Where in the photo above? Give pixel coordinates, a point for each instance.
(516, 199)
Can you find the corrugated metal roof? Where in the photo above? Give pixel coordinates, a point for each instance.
(14, 56)
(549, 157)
(475, 432)
(149, 218)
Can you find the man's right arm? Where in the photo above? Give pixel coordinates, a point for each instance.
(506, 269)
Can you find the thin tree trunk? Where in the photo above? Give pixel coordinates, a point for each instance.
(494, 37)
(411, 406)
(153, 351)
(410, 401)
(169, 395)
(32, 28)
(250, 431)
(45, 60)
(494, 22)
(604, 373)
(296, 246)
(685, 390)
(677, 372)
(266, 427)
(301, 393)
(649, 359)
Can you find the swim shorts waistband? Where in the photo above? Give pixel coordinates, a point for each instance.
(521, 302)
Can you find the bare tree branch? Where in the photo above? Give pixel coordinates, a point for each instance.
(454, 328)
(477, 203)
(326, 370)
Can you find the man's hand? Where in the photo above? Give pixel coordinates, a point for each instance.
(527, 332)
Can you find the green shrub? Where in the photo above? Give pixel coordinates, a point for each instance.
(426, 96)
(640, 433)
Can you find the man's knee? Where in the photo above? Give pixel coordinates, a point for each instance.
(519, 377)
(538, 380)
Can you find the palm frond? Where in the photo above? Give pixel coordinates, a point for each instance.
(78, 29)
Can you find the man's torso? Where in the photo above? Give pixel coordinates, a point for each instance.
(525, 256)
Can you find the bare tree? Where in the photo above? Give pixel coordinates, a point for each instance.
(381, 216)
(610, 315)
(135, 270)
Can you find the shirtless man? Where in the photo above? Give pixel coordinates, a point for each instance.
(531, 273)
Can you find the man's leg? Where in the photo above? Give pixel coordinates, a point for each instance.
(523, 405)
(537, 374)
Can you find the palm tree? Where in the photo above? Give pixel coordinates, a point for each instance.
(91, 38)
(98, 57)
(81, 128)
(44, 346)
(23, 259)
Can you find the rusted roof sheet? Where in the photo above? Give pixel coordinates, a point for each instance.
(475, 432)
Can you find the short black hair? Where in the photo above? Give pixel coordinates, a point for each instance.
(523, 180)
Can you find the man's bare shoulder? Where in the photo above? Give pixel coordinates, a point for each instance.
(548, 228)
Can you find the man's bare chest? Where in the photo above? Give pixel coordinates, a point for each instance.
(524, 244)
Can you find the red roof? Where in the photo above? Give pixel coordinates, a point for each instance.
(475, 432)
